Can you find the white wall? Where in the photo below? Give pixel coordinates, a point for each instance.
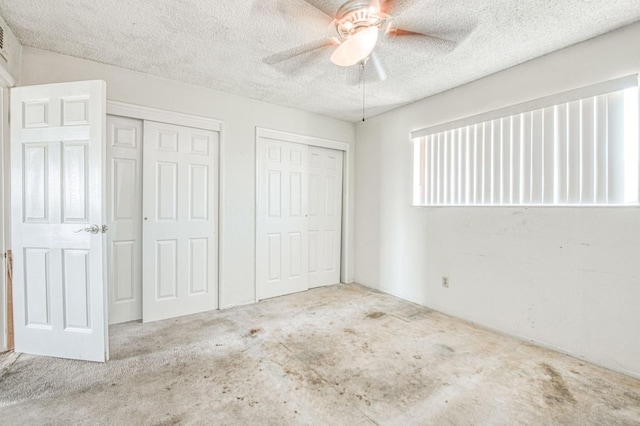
(10, 66)
(240, 116)
(567, 278)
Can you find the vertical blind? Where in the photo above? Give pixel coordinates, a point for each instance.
(579, 152)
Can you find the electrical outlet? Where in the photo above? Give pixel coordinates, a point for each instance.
(445, 282)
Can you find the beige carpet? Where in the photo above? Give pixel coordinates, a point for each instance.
(337, 355)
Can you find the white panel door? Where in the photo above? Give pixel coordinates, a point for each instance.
(325, 215)
(282, 210)
(57, 134)
(180, 199)
(124, 217)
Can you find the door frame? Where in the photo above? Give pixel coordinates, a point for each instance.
(6, 83)
(345, 259)
(124, 109)
(5, 212)
(113, 108)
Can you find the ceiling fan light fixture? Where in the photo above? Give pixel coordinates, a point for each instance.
(355, 15)
(356, 48)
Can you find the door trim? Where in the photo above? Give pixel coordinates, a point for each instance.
(6, 82)
(143, 113)
(5, 213)
(162, 116)
(261, 132)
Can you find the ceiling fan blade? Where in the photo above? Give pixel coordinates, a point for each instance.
(299, 50)
(369, 71)
(395, 7)
(322, 7)
(443, 42)
(377, 4)
(377, 66)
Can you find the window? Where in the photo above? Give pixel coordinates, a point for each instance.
(568, 149)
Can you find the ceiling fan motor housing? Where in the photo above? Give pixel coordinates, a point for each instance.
(356, 15)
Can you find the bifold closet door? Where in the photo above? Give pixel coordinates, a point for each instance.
(299, 217)
(180, 196)
(124, 216)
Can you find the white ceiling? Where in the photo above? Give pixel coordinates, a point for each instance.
(223, 44)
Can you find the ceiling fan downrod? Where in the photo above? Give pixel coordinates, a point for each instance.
(362, 65)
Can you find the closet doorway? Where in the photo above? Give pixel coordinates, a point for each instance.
(299, 213)
(162, 212)
(153, 236)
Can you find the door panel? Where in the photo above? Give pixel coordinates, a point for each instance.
(198, 194)
(74, 182)
(124, 195)
(57, 134)
(180, 196)
(166, 279)
(76, 288)
(325, 216)
(123, 279)
(198, 255)
(37, 287)
(35, 178)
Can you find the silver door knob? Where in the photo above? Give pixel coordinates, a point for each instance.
(94, 229)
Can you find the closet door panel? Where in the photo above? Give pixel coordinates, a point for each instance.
(282, 205)
(124, 206)
(325, 215)
(180, 196)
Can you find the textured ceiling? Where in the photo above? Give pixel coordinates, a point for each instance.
(231, 45)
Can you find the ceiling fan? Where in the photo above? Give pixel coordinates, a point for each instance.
(359, 24)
